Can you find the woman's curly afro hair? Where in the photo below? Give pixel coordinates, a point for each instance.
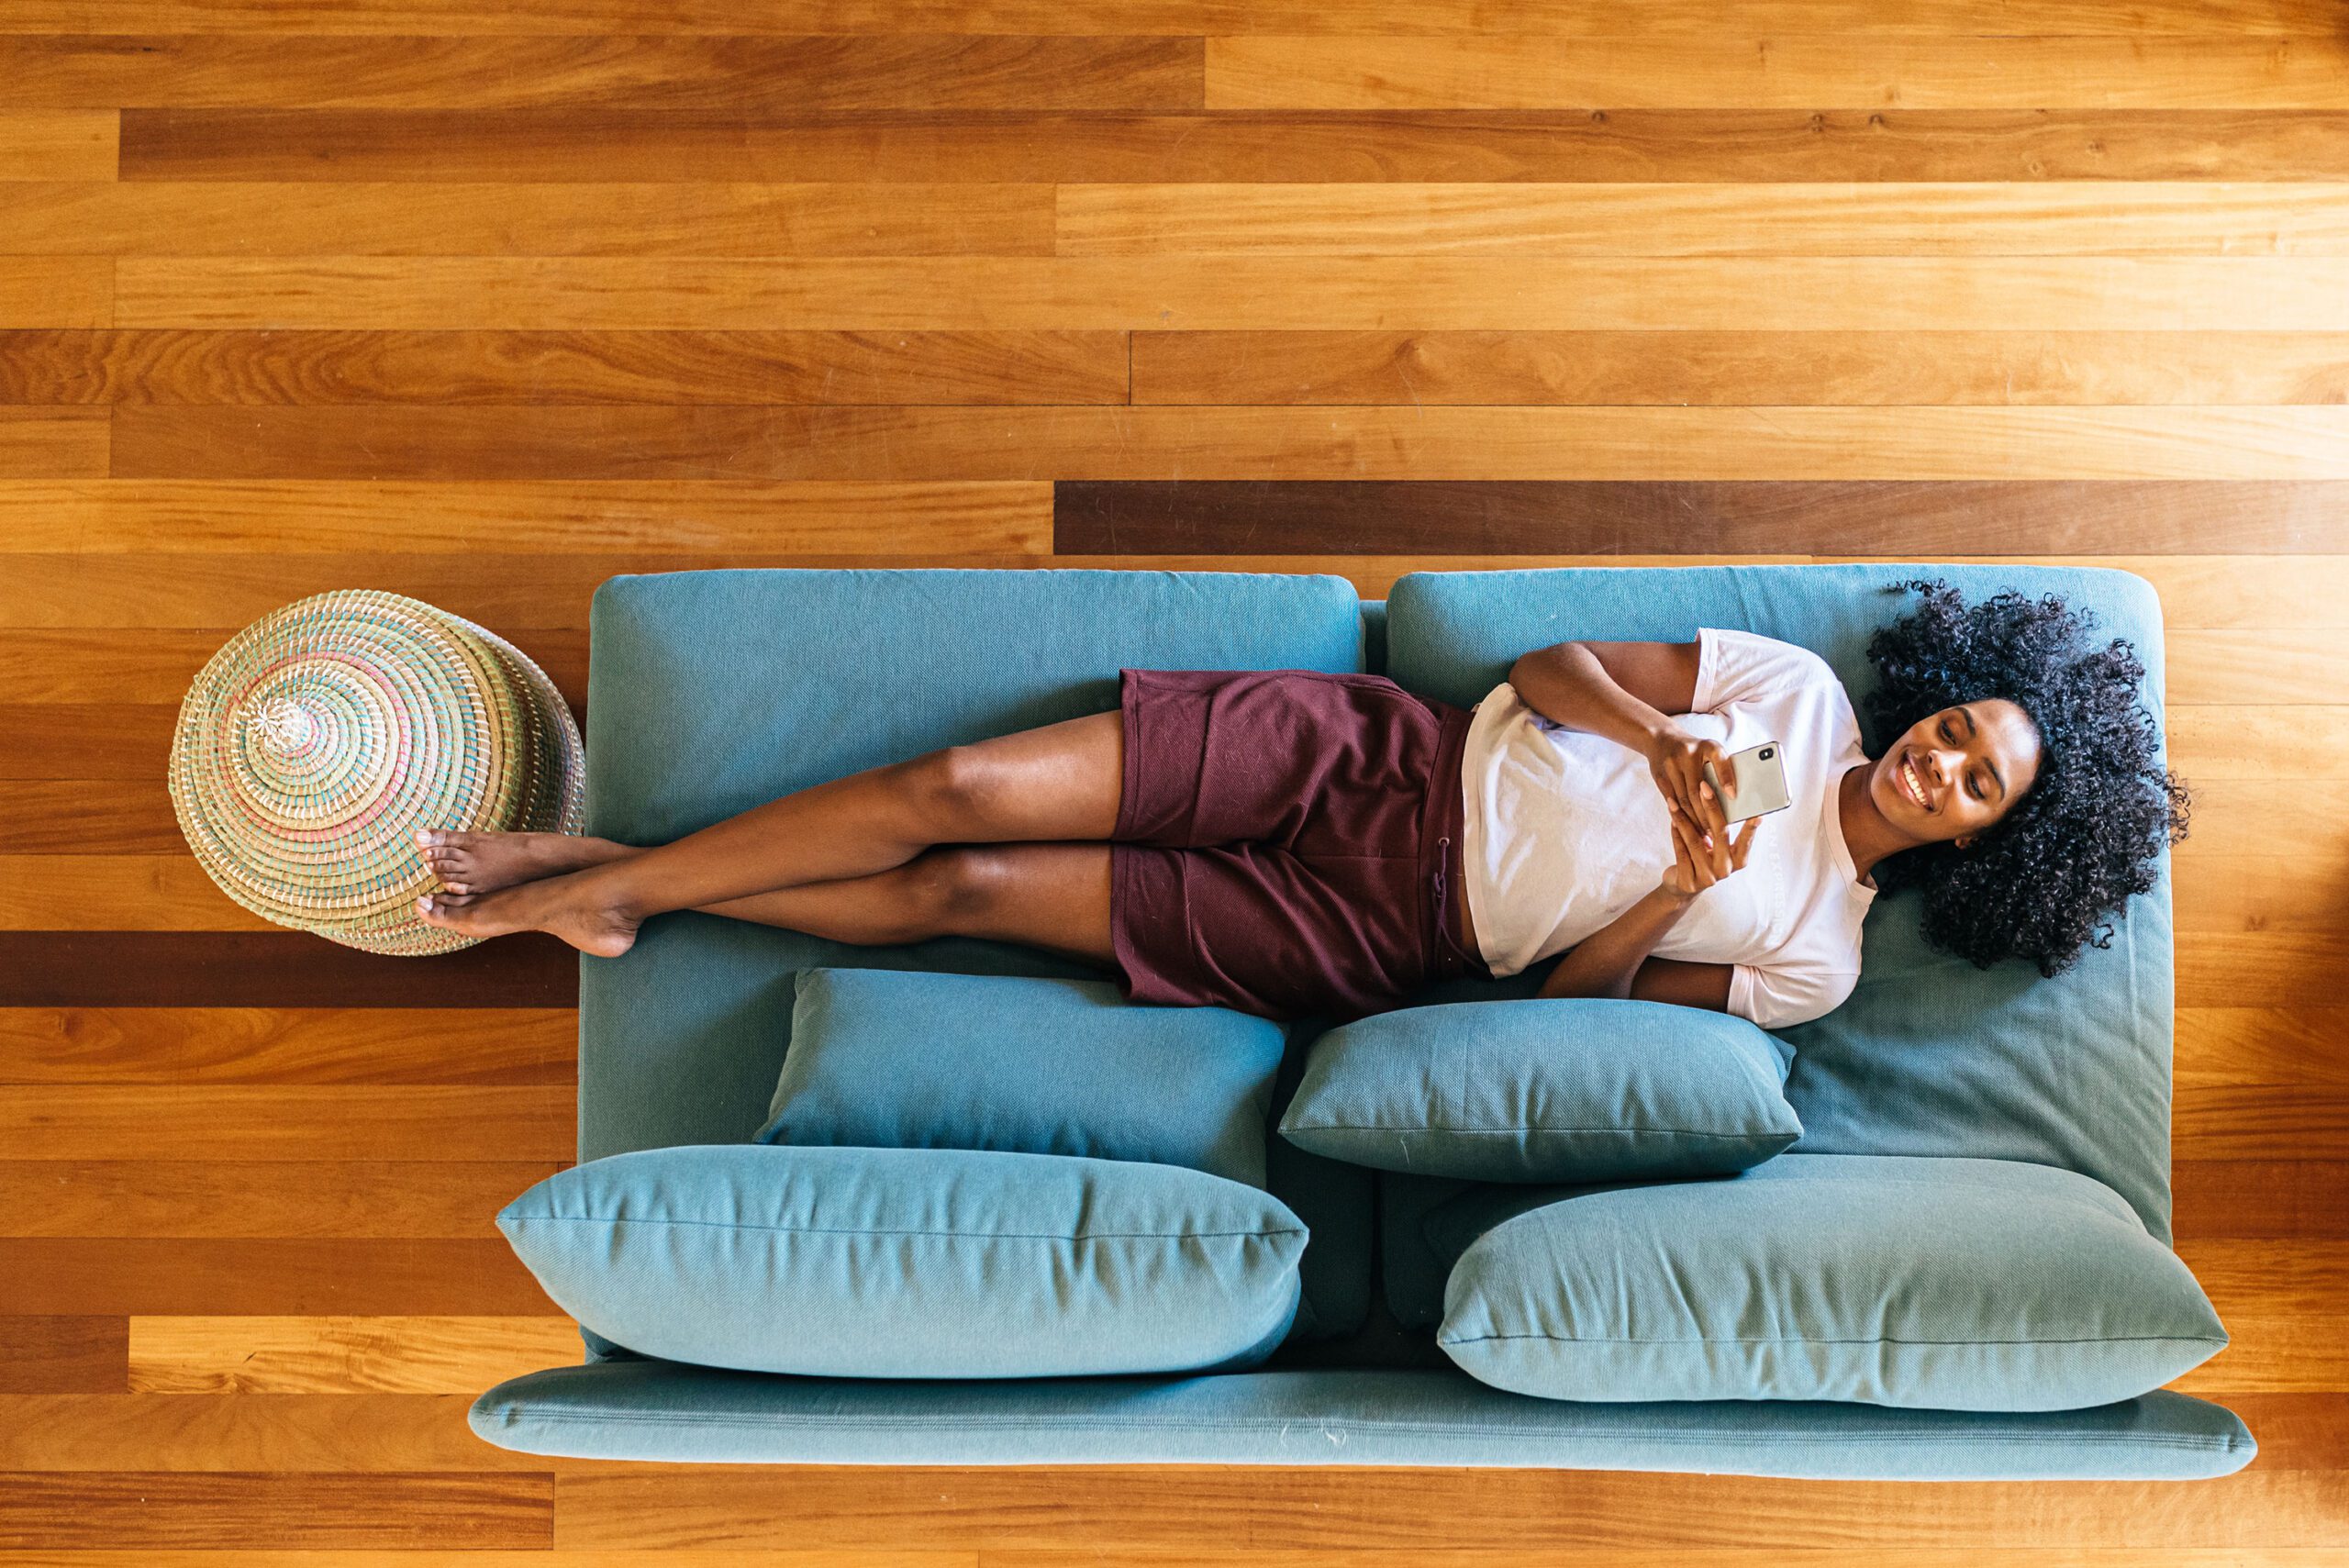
(2044, 881)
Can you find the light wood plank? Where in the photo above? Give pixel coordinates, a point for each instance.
(1889, 218)
(2284, 666)
(2219, 1045)
(642, 219)
(180, 1276)
(506, 368)
(458, 1557)
(1568, 17)
(288, 1045)
(159, 1509)
(557, 517)
(342, 1355)
(1699, 366)
(2278, 969)
(56, 291)
(53, 443)
(2250, 741)
(57, 144)
(2043, 294)
(967, 443)
(2273, 892)
(414, 1197)
(418, 1121)
(116, 893)
(1782, 71)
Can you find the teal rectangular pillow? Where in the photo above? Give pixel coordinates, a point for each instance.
(1545, 1089)
(1928, 1283)
(913, 1263)
(905, 1059)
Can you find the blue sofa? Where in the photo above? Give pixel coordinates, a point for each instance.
(710, 691)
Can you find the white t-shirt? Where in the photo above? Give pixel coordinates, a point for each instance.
(1565, 831)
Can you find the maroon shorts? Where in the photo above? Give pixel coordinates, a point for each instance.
(1285, 841)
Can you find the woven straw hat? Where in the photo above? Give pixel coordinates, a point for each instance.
(314, 745)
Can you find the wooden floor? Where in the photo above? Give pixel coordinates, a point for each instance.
(484, 300)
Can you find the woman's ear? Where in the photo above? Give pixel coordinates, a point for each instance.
(1963, 841)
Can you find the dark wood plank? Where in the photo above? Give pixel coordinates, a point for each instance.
(2269, 1199)
(1672, 145)
(288, 969)
(284, 1509)
(171, 1276)
(64, 1355)
(1926, 519)
(501, 368)
(288, 1045)
(417, 1198)
(1714, 367)
(65, 740)
(728, 74)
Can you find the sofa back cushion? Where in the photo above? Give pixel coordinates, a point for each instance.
(1947, 1285)
(892, 1059)
(1554, 1089)
(913, 1263)
(1930, 1056)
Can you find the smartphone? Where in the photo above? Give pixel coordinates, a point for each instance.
(1761, 773)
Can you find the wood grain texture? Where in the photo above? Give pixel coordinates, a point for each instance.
(60, 144)
(1784, 71)
(1666, 146)
(56, 291)
(288, 1045)
(2034, 294)
(507, 368)
(53, 443)
(284, 1509)
(342, 1355)
(63, 1355)
(414, 1197)
(644, 442)
(636, 220)
(246, 1122)
(1884, 219)
(1681, 367)
(724, 73)
(277, 969)
(1567, 17)
(272, 1276)
(1933, 519)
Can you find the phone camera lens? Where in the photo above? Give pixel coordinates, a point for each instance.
(1768, 755)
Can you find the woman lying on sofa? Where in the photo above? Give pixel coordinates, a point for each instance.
(1290, 843)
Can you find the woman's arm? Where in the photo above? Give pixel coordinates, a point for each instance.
(1614, 962)
(1629, 692)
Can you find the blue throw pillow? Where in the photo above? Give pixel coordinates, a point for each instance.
(1937, 1284)
(1546, 1089)
(913, 1263)
(902, 1059)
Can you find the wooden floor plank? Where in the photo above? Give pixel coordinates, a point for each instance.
(1679, 367)
(53, 443)
(803, 75)
(640, 219)
(1274, 146)
(266, 519)
(342, 1355)
(250, 1122)
(2027, 294)
(1756, 517)
(2092, 217)
(645, 442)
(172, 1276)
(2284, 1199)
(58, 144)
(288, 1045)
(1565, 17)
(2262, 1045)
(507, 368)
(56, 291)
(276, 969)
(161, 1508)
(63, 1355)
(414, 1198)
(1783, 71)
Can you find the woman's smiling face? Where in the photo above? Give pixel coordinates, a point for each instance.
(1953, 774)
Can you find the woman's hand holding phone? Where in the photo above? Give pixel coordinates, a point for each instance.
(1701, 859)
(1676, 759)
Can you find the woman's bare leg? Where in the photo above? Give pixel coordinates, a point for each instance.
(1058, 781)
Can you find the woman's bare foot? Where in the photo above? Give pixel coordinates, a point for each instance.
(571, 906)
(483, 862)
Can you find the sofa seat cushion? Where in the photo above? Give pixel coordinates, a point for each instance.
(1930, 1055)
(1933, 1283)
(898, 1059)
(1546, 1090)
(913, 1263)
